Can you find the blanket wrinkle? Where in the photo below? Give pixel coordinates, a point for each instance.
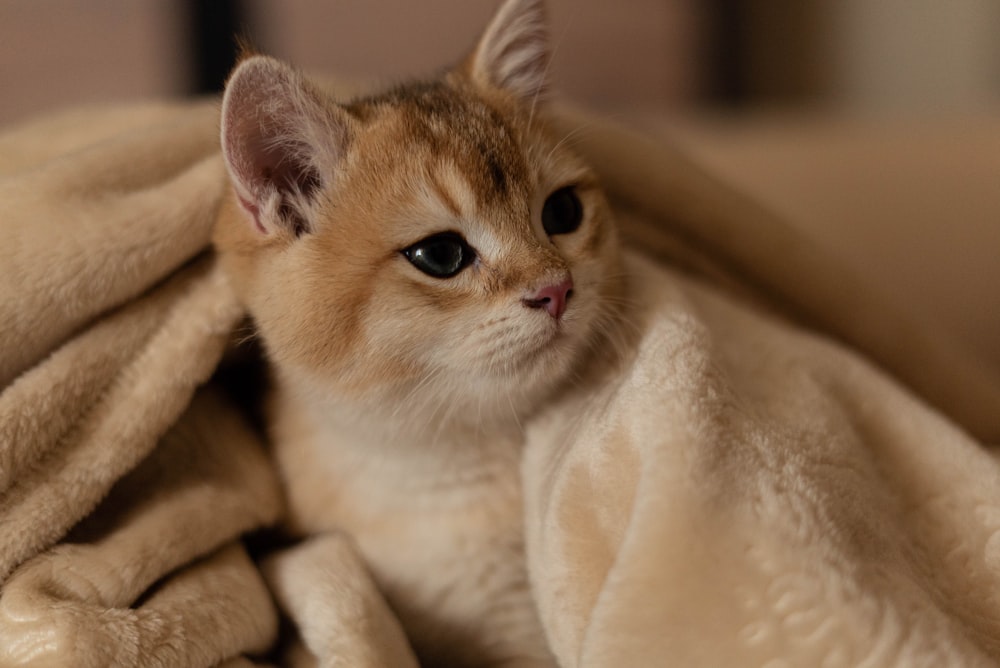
(146, 396)
(741, 489)
(36, 141)
(74, 377)
(82, 601)
(684, 216)
(144, 222)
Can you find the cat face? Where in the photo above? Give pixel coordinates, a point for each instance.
(436, 243)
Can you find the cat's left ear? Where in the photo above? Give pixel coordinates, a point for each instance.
(513, 53)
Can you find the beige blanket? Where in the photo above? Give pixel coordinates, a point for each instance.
(747, 491)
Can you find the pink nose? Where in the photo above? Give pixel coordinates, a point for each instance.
(552, 298)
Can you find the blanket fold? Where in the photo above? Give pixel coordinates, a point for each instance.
(75, 424)
(97, 598)
(93, 228)
(109, 482)
(745, 487)
(747, 493)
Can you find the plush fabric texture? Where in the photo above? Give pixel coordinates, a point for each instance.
(746, 493)
(750, 485)
(121, 499)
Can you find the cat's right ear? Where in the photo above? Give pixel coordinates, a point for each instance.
(513, 53)
(282, 140)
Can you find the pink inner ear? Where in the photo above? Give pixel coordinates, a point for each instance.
(254, 212)
(275, 131)
(513, 53)
(243, 167)
(279, 166)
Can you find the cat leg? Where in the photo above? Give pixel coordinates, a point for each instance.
(530, 646)
(324, 586)
(511, 635)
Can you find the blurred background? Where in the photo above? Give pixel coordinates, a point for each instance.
(872, 125)
(841, 56)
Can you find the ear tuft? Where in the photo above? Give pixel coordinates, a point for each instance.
(513, 53)
(281, 141)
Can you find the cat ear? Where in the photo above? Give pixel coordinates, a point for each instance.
(281, 141)
(513, 53)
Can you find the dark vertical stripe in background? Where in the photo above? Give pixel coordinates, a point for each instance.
(727, 85)
(215, 27)
(767, 52)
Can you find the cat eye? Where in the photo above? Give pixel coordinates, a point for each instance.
(441, 255)
(562, 212)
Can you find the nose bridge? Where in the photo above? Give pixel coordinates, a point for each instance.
(534, 264)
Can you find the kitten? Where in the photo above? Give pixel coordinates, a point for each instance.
(428, 269)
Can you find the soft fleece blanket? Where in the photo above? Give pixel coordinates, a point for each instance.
(787, 471)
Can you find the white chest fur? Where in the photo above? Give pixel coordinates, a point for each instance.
(437, 516)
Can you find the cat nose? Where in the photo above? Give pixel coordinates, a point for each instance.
(552, 298)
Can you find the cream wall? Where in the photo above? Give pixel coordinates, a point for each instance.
(907, 56)
(860, 56)
(59, 52)
(629, 53)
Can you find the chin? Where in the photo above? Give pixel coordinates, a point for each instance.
(543, 371)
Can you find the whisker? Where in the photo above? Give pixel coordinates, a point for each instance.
(572, 134)
(450, 408)
(245, 334)
(513, 411)
(424, 382)
(432, 416)
(555, 46)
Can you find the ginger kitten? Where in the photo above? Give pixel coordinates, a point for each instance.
(428, 269)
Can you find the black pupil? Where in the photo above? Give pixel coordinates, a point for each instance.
(441, 256)
(562, 212)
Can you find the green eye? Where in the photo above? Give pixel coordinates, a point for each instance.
(562, 212)
(441, 255)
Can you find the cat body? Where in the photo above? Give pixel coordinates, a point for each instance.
(428, 269)
(437, 517)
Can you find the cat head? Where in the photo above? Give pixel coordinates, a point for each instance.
(436, 241)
